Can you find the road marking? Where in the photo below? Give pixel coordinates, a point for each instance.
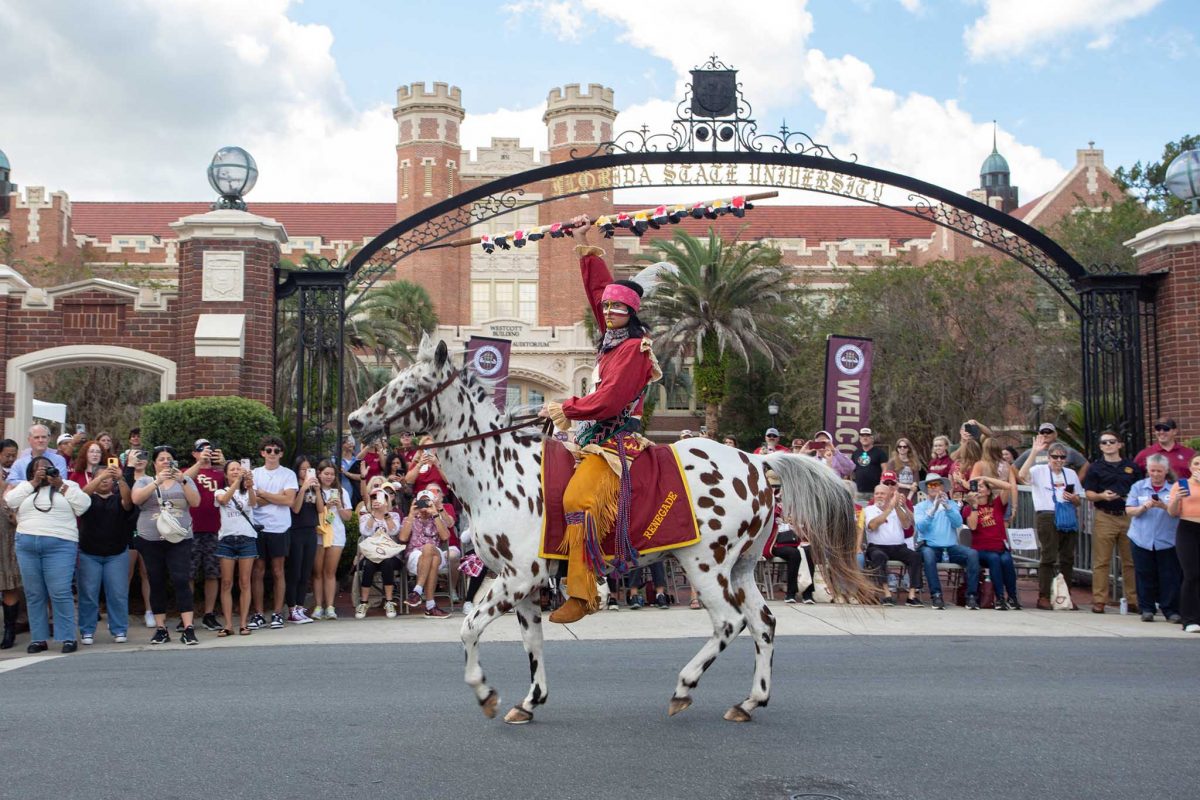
(9, 665)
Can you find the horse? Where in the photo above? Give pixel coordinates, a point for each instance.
(494, 469)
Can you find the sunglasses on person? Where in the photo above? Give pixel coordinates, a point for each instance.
(901, 447)
(1046, 432)
(1108, 441)
(1059, 457)
(1163, 428)
(889, 483)
(277, 451)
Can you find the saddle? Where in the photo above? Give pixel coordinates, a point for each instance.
(661, 516)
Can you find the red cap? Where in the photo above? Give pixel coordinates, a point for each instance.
(888, 476)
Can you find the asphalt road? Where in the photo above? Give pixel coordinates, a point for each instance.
(869, 717)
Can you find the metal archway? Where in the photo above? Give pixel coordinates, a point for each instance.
(1114, 310)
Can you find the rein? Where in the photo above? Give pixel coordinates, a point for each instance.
(526, 421)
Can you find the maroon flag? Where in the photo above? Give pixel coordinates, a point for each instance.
(847, 389)
(488, 358)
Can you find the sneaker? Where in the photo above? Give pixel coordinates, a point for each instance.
(209, 621)
(87, 639)
(189, 636)
(790, 599)
(296, 617)
(888, 601)
(150, 619)
(414, 599)
(389, 609)
(1193, 628)
(1146, 617)
(1175, 618)
(808, 601)
(179, 626)
(120, 638)
(914, 602)
(276, 621)
(660, 600)
(330, 612)
(256, 622)
(435, 613)
(161, 636)
(938, 602)
(613, 605)
(1000, 605)
(317, 614)
(360, 611)
(468, 607)
(1013, 604)
(972, 603)
(636, 602)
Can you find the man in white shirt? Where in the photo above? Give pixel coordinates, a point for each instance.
(885, 520)
(275, 487)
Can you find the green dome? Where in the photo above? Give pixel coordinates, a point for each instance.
(994, 163)
(4, 161)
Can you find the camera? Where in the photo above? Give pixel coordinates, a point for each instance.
(51, 472)
(422, 503)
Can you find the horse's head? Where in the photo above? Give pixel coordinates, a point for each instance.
(399, 404)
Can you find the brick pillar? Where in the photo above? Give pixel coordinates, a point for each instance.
(227, 265)
(1173, 249)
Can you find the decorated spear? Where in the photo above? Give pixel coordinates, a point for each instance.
(636, 222)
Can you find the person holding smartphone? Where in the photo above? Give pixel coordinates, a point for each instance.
(425, 532)
(1152, 533)
(207, 471)
(1107, 484)
(236, 542)
(136, 462)
(333, 504)
(303, 548)
(1052, 482)
(104, 554)
(1184, 503)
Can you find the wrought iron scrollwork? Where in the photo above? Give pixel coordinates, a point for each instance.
(734, 131)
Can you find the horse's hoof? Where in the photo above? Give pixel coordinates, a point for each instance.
(678, 704)
(489, 703)
(518, 716)
(737, 714)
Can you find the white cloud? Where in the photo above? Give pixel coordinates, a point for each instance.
(556, 16)
(1011, 28)
(129, 100)
(912, 6)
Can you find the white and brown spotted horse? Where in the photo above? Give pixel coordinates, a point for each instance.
(497, 479)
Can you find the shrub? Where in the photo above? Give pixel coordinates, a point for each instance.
(234, 424)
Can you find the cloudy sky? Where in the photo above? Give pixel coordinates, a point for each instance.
(128, 99)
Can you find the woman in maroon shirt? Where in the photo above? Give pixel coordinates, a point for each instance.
(87, 463)
(984, 514)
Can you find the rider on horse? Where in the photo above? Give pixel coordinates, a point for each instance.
(611, 438)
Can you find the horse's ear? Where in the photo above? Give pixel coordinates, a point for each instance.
(441, 355)
(425, 349)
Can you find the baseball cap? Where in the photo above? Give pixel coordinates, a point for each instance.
(772, 432)
(797, 443)
(888, 476)
(685, 434)
(1166, 422)
(826, 434)
(66, 437)
(865, 432)
(1047, 426)
(200, 445)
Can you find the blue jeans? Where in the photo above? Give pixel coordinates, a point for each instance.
(111, 573)
(47, 566)
(1000, 568)
(1158, 578)
(965, 557)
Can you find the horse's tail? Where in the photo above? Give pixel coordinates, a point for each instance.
(817, 502)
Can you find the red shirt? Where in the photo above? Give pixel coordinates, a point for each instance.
(940, 465)
(989, 534)
(206, 517)
(1179, 456)
(371, 466)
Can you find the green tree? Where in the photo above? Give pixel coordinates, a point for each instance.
(1149, 181)
(104, 398)
(724, 299)
(1098, 236)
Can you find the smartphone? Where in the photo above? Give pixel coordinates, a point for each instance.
(174, 464)
(245, 462)
(80, 428)
(973, 486)
(113, 461)
(311, 474)
(1070, 488)
(704, 430)
(1185, 488)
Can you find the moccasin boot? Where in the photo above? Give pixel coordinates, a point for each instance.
(571, 611)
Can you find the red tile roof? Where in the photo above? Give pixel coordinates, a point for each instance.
(1021, 211)
(813, 223)
(341, 221)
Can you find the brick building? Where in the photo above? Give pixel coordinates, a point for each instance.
(144, 259)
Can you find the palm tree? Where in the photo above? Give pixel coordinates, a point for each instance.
(723, 298)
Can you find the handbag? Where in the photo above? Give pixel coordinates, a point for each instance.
(325, 525)
(258, 529)
(1065, 518)
(471, 565)
(1060, 594)
(379, 547)
(821, 593)
(803, 579)
(168, 525)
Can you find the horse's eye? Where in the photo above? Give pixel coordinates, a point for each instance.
(410, 390)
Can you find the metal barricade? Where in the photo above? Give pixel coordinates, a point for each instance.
(1027, 560)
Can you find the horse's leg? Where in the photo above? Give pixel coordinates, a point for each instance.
(497, 600)
(761, 622)
(727, 623)
(529, 615)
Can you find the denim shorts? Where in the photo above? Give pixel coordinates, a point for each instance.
(237, 547)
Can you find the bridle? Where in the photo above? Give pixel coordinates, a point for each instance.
(524, 421)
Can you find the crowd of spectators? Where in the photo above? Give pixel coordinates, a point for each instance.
(80, 519)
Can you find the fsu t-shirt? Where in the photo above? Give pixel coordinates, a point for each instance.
(206, 517)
